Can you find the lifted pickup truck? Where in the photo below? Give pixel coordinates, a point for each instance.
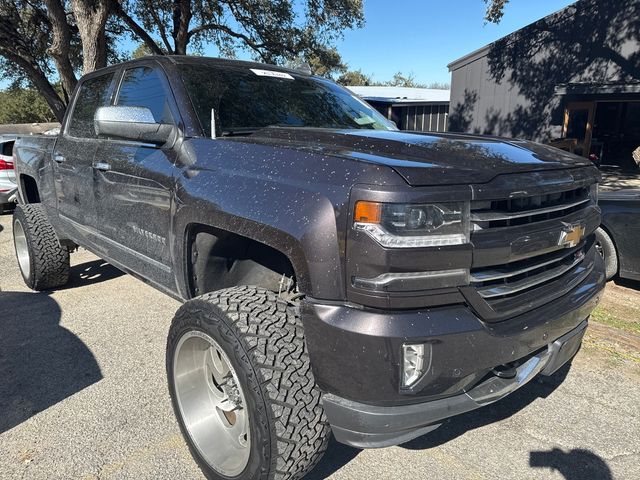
(337, 275)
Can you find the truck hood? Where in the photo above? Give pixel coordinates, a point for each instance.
(424, 159)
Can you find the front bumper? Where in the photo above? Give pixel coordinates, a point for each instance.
(356, 357)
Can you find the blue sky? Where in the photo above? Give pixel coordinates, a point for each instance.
(423, 36)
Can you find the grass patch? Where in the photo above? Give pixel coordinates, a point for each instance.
(605, 317)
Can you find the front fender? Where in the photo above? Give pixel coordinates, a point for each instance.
(291, 200)
(300, 224)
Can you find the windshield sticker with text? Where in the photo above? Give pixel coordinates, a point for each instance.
(271, 73)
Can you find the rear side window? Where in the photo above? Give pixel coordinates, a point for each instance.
(7, 149)
(143, 87)
(93, 93)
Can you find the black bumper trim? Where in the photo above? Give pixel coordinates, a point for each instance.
(369, 426)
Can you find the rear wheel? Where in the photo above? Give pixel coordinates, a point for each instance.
(241, 386)
(606, 248)
(44, 263)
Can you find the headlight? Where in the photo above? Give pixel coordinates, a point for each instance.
(396, 225)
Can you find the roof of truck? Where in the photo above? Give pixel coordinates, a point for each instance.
(198, 60)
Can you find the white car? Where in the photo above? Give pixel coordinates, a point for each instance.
(8, 186)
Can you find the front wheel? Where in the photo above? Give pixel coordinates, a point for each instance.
(241, 386)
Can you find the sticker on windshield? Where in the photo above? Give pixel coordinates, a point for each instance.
(271, 73)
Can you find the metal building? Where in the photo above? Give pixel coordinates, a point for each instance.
(571, 79)
(418, 109)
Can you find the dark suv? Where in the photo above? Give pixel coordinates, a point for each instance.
(337, 275)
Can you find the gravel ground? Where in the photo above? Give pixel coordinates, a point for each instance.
(83, 395)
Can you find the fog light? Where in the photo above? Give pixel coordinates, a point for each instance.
(412, 363)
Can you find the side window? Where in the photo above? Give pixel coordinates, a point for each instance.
(93, 93)
(143, 87)
(7, 148)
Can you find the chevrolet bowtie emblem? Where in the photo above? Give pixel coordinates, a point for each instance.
(571, 236)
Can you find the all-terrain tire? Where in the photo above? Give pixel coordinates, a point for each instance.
(47, 263)
(608, 251)
(263, 338)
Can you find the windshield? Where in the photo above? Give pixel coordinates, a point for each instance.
(246, 99)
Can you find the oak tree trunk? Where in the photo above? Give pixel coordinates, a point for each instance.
(91, 19)
(60, 45)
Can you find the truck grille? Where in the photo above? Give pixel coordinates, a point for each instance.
(520, 260)
(525, 210)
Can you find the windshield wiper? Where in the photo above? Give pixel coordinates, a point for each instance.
(238, 132)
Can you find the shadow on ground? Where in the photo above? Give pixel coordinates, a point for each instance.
(627, 283)
(41, 363)
(89, 273)
(573, 465)
(339, 455)
(540, 387)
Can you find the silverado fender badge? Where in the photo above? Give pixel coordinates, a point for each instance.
(571, 236)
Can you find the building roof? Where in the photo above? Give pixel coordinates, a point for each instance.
(402, 94)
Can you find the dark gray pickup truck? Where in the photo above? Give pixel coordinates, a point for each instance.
(337, 275)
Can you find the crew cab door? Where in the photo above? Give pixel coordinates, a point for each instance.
(73, 156)
(133, 184)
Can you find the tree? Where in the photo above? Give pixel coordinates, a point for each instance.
(57, 39)
(273, 31)
(41, 41)
(355, 78)
(439, 86)
(401, 80)
(141, 51)
(24, 106)
(25, 35)
(495, 10)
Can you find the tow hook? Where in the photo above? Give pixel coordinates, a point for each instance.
(505, 371)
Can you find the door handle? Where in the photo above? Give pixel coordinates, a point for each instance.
(58, 158)
(102, 166)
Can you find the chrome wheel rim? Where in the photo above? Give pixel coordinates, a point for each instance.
(211, 403)
(22, 250)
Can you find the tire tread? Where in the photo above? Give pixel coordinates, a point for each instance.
(50, 263)
(272, 335)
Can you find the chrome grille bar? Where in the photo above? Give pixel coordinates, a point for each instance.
(502, 273)
(495, 216)
(492, 291)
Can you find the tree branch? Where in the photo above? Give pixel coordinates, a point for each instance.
(216, 26)
(39, 80)
(163, 33)
(181, 20)
(60, 45)
(135, 28)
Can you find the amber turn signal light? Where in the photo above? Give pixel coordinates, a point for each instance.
(368, 212)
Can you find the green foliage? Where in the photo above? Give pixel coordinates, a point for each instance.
(401, 80)
(276, 31)
(358, 78)
(141, 51)
(24, 105)
(355, 78)
(495, 10)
